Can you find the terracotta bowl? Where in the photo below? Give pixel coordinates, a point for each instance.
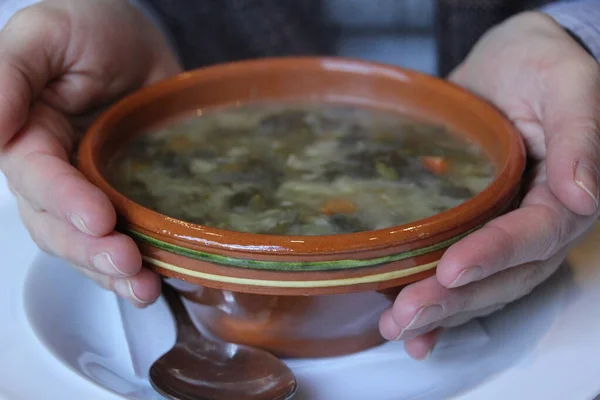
(303, 296)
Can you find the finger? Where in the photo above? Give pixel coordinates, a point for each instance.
(561, 108)
(113, 255)
(421, 347)
(427, 303)
(450, 322)
(141, 290)
(36, 164)
(536, 231)
(464, 317)
(32, 45)
(144, 288)
(570, 120)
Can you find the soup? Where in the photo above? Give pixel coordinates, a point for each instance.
(297, 169)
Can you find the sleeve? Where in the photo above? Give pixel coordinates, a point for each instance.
(153, 17)
(581, 19)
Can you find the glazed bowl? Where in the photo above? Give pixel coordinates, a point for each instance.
(301, 296)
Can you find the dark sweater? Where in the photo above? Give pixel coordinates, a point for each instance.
(212, 31)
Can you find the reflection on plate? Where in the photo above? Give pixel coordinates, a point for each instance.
(86, 328)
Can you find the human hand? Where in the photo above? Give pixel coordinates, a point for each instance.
(549, 87)
(62, 62)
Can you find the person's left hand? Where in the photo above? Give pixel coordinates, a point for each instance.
(547, 84)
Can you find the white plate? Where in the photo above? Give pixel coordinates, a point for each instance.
(83, 327)
(27, 371)
(542, 347)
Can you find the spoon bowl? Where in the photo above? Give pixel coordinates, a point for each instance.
(199, 367)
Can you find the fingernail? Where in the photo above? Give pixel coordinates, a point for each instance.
(428, 353)
(586, 177)
(79, 224)
(413, 333)
(103, 263)
(425, 316)
(467, 275)
(124, 288)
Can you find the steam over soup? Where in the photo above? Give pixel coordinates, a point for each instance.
(292, 169)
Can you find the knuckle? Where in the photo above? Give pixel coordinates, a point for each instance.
(506, 241)
(558, 231)
(15, 103)
(464, 303)
(587, 129)
(462, 299)
(468, 299)
(582, 127)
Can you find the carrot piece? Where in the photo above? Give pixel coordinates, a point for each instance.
(180, 143)
(338, 206)
(437, 165)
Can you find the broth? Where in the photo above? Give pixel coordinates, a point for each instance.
(298, 169)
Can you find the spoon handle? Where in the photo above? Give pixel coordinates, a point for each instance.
(185, 325)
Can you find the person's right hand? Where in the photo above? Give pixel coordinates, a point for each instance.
(61, 62)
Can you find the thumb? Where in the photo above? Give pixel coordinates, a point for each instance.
(569, 114)
(32, 45)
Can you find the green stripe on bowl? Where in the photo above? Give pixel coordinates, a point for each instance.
(290, 266)
(302, 284)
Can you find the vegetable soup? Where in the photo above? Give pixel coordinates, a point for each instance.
(300, 169)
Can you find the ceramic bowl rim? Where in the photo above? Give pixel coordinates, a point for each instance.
(500, 190)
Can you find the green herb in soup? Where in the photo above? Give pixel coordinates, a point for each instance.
(290, 169)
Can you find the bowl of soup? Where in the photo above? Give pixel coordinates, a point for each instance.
(290, 199)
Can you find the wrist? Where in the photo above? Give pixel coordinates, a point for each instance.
(580, 20)
(155, 20)
(579, 41)
(540, 22)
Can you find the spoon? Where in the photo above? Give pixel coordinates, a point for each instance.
(202, 368)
